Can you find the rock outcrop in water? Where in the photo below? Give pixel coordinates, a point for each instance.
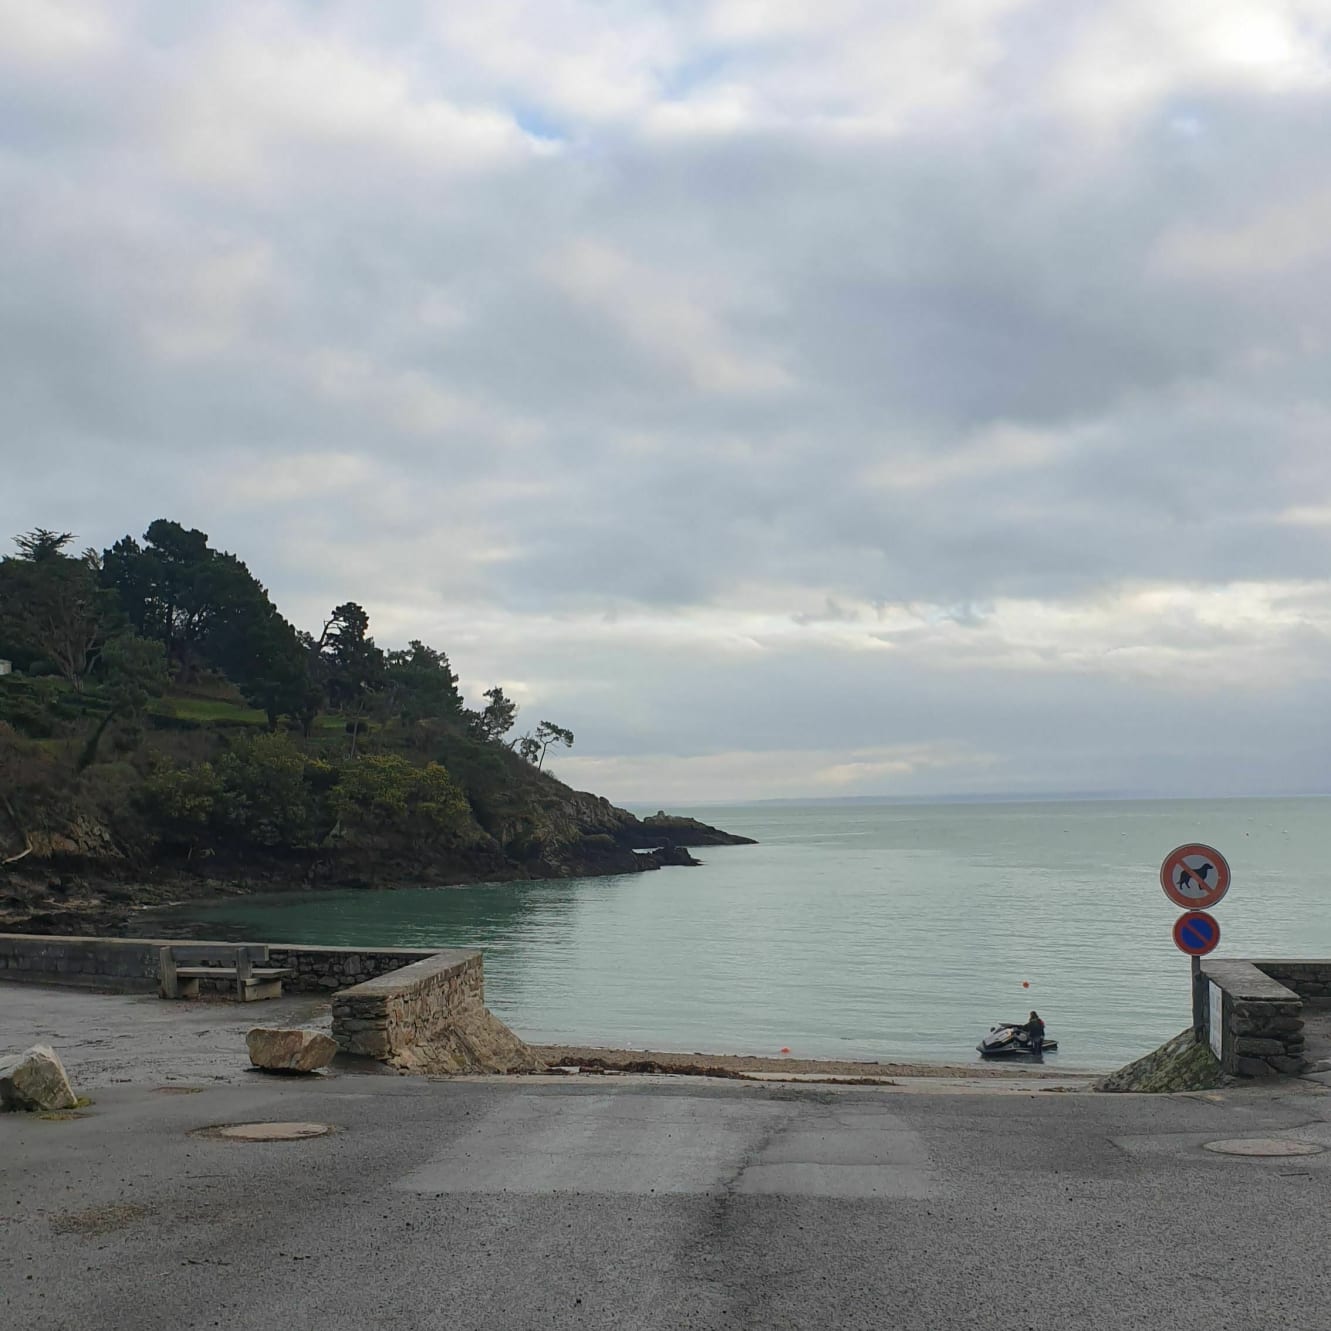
(670, 829)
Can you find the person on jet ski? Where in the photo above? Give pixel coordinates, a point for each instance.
(1035, 1034)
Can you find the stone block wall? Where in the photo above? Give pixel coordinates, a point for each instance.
(328, 969)
(124, 964)
(1308, 979)
(1260, 1020)
(412, 1007)
(130, 965)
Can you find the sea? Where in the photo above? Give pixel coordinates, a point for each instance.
(857, 930)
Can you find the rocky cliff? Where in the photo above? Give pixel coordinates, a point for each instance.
(80, 873)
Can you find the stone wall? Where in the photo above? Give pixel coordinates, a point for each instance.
(1254, 1022)
(384, 1016)
(1308, 979)
(327, 969)
(130, 965)
(429, 1017)
(126, 965)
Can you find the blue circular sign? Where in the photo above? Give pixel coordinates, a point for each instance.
(1196, 933)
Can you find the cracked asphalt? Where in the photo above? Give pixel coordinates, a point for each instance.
(652, 1202)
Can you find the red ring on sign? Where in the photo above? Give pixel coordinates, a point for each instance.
(1190, 931)
(1211, 891)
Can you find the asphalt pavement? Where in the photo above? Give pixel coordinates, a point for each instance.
(640, 1202)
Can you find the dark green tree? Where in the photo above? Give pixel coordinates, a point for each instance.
(40, 544)
(497, 717)
(351, 666)
(165, 586)
(533, 747)
(276, 678)
(203, 605)
(422, 683)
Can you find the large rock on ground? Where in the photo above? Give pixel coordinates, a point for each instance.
(289, 1050)
(35, 1079)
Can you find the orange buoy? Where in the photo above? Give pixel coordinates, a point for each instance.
(1025, 984)
(785, 1049)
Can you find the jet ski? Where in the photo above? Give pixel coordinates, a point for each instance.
(1008, 1039)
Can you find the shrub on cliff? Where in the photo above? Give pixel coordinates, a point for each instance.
(260, 792)
(385, 794)
(180, 803)
(269, 792)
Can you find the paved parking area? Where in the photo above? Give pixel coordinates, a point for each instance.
(658, 1203)
(109, 1039)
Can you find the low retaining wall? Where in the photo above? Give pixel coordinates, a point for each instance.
(129, 965)
(384, 1017)
(322, 970)
(1253, 1022)
(1308, 979)
(429, 1017)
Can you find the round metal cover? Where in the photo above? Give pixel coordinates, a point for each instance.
(272, 1132)
(1264, 1146)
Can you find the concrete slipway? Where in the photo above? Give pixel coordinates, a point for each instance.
(646, 1202)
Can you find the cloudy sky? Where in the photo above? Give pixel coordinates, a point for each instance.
(870, 397)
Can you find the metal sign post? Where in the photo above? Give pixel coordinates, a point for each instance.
(1194, 877)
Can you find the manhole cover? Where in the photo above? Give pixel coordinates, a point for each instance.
(1274, 1146)
(270, 1132)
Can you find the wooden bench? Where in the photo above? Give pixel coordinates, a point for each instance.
(242, 962)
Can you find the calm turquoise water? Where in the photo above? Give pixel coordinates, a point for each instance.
(865, 931)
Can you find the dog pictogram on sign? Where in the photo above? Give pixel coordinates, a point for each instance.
(1194, 876)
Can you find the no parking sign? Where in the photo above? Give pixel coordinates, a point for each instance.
(1196, 933)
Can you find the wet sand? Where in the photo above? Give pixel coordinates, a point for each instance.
(743, 1065)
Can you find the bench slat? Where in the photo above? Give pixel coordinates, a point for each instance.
(218, 952)
(229, 972)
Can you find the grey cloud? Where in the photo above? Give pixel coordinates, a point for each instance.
(170, 323)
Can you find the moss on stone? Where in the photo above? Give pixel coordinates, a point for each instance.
(1181, 1064)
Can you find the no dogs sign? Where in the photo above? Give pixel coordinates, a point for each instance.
(1194, 876)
